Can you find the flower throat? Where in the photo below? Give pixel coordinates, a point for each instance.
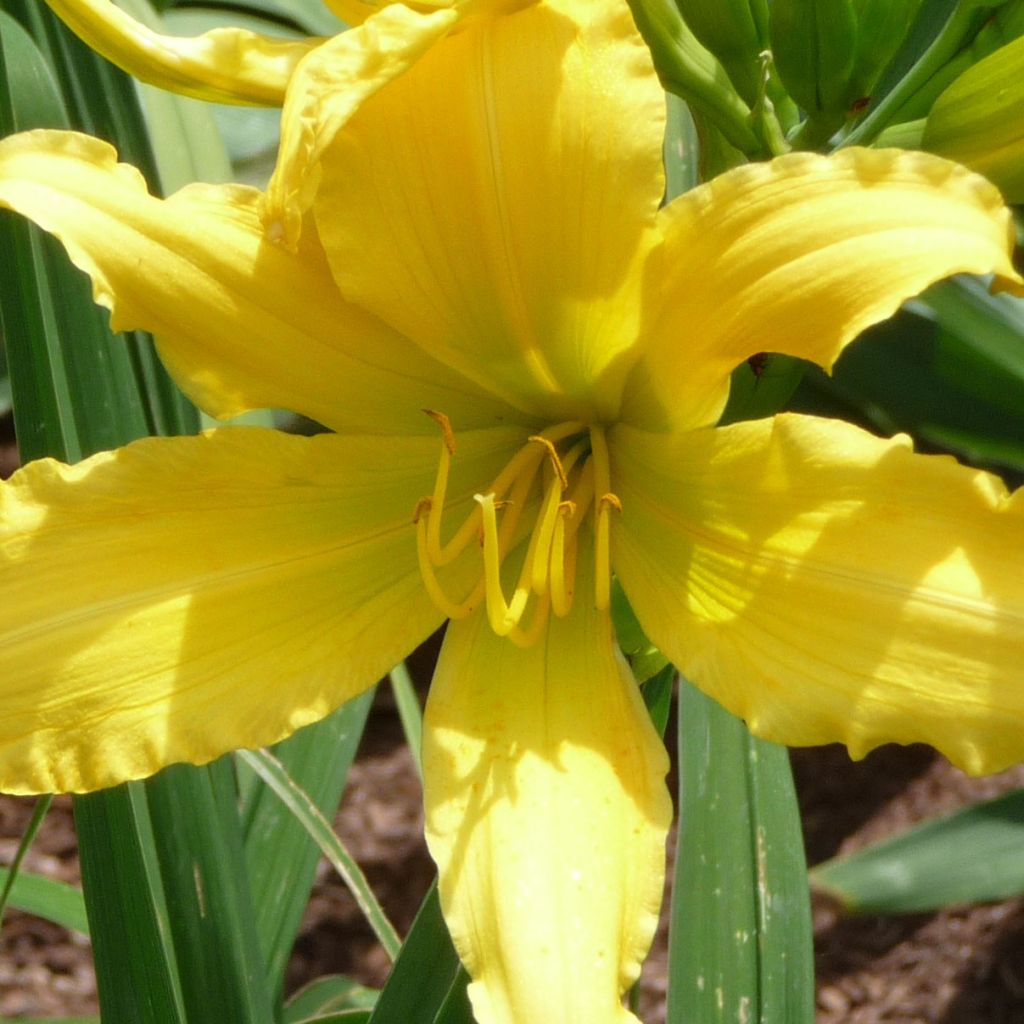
(566, 466)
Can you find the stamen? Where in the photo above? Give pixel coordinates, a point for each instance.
(544, 531)
(446, 429)
(431, 582)
(549, 564)
(502, 616)
(561, 594)
(555, 461)
(528, 637)
(602, 526)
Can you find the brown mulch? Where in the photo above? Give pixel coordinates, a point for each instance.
(960, 966)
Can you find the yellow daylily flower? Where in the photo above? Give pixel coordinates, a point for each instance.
(485, 242)
(319, 82)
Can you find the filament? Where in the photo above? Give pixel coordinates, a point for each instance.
(563, 473)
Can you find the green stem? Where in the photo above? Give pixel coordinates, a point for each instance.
(947, 43)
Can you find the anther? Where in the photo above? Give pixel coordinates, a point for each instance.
(446, 429)
(556, 462)
(423, 507)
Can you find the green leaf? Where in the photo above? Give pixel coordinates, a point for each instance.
(657, 694)
(949, 371)
(341, 1017)
(971, 856)
(55, 901)
(136, 969)
(410, 713)
(305, 810)
(425, 972)
(328, 995)
(39, 812)
(198, 839)
(762, 386)
(740, 945)
(280, 853)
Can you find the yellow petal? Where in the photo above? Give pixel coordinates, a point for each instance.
(240, 323)
(355, 12)
(827, 585)
(182, 597)
(225, 65)
(800, 255)
(329, 86)
(494, 203)
(547, 814)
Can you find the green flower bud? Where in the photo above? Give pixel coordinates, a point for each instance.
(979, 120)
(814, 43)
(882, 28)
(736, 32)
(689, 70)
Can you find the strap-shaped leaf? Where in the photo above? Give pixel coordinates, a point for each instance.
(971, 856)
(740, 941)
(199, 845)
(280, 852)
(424, 974)
(55, 901)
(302, 806)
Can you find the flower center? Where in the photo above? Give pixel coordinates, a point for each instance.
(560, 470)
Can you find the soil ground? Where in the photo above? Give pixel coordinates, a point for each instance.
(960, 966)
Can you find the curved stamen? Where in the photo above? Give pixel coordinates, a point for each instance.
(430, 580)
(606, 501)
(539, 558)
(572, 484)
(503, 616)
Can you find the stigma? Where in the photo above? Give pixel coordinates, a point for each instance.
(560, 477)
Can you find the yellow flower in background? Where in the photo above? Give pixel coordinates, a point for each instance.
(484, 241)
(319, 82)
